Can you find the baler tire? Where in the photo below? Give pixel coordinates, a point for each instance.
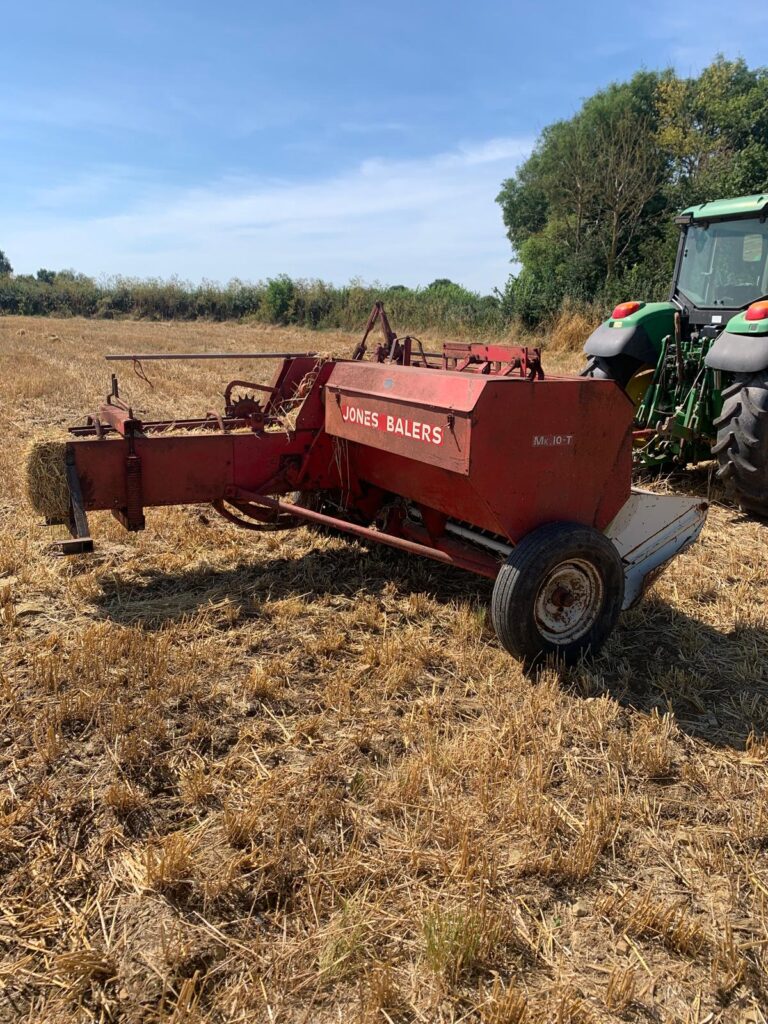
(553, 558)
(741, 447)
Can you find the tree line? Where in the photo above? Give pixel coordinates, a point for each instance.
(280, 300)
(589, 215)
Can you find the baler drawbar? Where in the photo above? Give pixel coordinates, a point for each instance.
(469, 457)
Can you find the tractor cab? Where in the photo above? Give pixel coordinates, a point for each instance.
(696, 366)
(722, 259)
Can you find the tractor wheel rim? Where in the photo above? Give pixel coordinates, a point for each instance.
(568, 601)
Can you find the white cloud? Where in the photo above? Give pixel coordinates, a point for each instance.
(403, 221)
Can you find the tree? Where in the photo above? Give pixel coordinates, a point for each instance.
(714, 129)
(5, 265)
(594, 204)
(588, 190)
(629, 164)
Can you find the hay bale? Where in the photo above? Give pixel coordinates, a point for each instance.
(47, 487)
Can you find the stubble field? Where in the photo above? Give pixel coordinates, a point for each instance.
(295, 779)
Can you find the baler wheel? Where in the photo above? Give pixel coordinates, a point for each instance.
(741, 447)
(559, 592)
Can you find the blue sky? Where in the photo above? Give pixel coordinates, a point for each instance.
(333, 140)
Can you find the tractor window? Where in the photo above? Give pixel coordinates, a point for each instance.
(725, 264)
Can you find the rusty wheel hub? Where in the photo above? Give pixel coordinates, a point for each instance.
(569, 601)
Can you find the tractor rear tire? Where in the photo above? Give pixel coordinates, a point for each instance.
(560, 592)
(741, 447)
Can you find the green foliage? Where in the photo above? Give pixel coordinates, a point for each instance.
(277, 306)
(590, 213)
(5, 265)
(280, 300)
(68, 294)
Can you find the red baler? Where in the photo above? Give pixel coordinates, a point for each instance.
(469, 457)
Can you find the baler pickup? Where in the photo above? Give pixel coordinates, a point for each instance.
(469, 457)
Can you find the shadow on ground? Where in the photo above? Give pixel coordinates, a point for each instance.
(715, 682)
(156, 598)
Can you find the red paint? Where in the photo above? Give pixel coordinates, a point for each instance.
(484, 441)
(517, 453)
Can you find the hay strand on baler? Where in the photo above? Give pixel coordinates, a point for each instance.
(47, 488)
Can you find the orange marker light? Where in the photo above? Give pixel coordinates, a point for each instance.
(625, 309)
(757, 311)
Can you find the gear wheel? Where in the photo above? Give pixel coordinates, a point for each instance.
(245, 407)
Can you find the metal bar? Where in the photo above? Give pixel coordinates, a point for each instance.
(158, 426)
(260, 526)
(247, 384)
(119, 418)
(376, 313)
(79, 524)
(143, 357)
(477, 538)
(469, 557)
(479, 565)
(81, 541)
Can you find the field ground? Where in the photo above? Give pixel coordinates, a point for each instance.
(295, 779)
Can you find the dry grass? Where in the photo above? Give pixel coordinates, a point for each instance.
(570, 329)
(294, 779)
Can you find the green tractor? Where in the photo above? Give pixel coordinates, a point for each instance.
(697, 366)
